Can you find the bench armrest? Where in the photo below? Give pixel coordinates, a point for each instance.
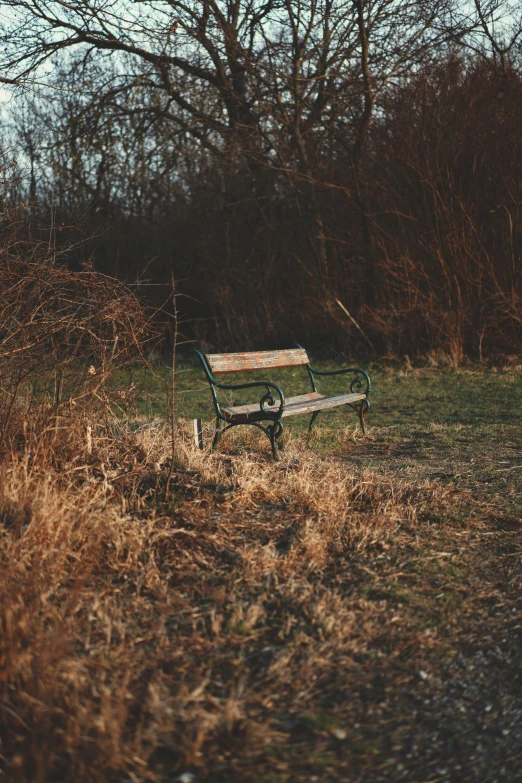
(268, 399)
(361, 382)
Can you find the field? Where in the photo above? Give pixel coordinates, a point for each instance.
(350, 613)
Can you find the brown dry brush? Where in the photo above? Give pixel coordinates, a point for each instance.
(446, 181)
(63, 336)
(423, 240)
(66, 339)
(141, 639)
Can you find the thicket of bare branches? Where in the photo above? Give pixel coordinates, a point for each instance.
(63, 335)
(281, 156)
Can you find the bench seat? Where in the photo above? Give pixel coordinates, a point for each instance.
(304, 403)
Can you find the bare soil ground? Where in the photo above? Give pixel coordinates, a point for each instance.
(351, 613)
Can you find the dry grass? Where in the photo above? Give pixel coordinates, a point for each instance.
(265, 622)
(139, 638)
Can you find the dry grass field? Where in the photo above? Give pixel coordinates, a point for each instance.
(350, 613)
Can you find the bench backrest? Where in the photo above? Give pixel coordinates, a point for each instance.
(257, 360)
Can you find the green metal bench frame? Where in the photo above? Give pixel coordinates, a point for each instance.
(272, 406)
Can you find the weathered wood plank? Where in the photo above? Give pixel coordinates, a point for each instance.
(304, 403)
(198, 432)
(257, 360)
(320, 404)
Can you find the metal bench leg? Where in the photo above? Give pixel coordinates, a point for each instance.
(274, 432)
(315, 414)
(278, 436)
(218, 434)
(361, 409)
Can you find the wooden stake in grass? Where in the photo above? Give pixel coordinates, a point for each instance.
(198, 433)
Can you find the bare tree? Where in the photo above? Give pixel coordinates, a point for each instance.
(496, 30)
(273, 83)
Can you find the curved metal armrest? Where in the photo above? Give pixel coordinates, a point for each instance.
(357, 383)
(266, 399)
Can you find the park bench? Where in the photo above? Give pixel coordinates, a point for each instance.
(266, 414)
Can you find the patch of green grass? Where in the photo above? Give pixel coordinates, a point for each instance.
(394, 594)
(239, 628)
(460, 427)
(319, 721)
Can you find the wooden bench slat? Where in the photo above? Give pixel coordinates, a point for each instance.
(321, 404)
(304, 403)
(259, 360)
